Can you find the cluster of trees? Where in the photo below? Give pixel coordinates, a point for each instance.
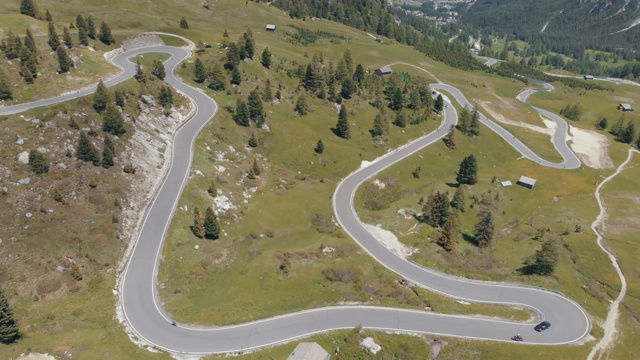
(250, 110)
(624, 133)
(469, 122)
(571, 112)
(205, 226)
(87, 28)
(5, 90)
(14, 48)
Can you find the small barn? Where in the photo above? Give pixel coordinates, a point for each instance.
(625, 107)
(270, 27)
(309, 351)
(527, 182)
(383, 71)
(379, 39)
(588, 77)
(506, 183)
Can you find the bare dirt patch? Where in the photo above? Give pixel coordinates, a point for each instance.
(389, 240)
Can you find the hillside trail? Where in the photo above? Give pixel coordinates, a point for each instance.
(610, 324)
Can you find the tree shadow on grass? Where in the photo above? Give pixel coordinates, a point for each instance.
(453, 185)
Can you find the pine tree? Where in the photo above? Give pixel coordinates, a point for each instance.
(183, 23)
(249, 44)
(5, 90)
(319, 149)
(199, 72)
(450, 140)
(358, 75)
(158, 69)
(618, 127)
(242, 49)
(459, 201)
(483, 232)
(112, 121)
(397, 101)
(101, 98)
(30, 42)
(64, 60)
(108, 153)
(265, 59)
(28, 7)
(119, 98)
(449, 236)
(212, 190)
(26, 74)
(47, 16)
(301, 105)
(400, 120)
(342, 127)
(468, 172)
(256, 110)
(198, 224)
(54, 40)
(348, 88)
(217, 79)
(241, 115)
(140, 75)
(27, 58)
(436, 209)
(9, 332)
(38, 162)
(439, 105)
(464, 120)
(91, 27)
(166, 97)
(66, 38)
(267, 95)
(211, 227)
(253, 142)
(380, 125)
(348, 60)
(236, 78)
(82, 37)
(629, 133)
(602, 123)
(233, 57)
(545, 260)
(255, 168)
(86, 151)
(105, 34)
(474, 124)
(81, 23)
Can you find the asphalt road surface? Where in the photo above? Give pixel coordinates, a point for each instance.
(147, 320)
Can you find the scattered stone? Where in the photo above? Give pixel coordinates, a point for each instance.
(43, 149)
(148, 99)
(5, 189)
(28, 215)
(370, 344)
(60, 268)
(20, 141)
(62, 166)
(24, 181)
(24, 157)
(198, 172)
(223, 203)
(328, 249)
(379, 184)
(197, 247)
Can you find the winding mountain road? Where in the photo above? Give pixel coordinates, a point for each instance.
(146, 319)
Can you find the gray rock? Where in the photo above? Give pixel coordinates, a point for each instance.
(5, 189)
(20, 141)
(24, 181)
(43, 150)
(148, 99)
(62, 166)
(28, 215)
(24, 157)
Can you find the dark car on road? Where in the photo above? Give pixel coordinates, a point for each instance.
(542, 326)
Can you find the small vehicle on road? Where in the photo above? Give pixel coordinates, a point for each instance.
(517, 338)
(542, 326)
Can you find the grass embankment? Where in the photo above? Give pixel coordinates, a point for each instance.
(621, 229)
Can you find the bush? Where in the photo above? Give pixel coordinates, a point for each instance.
(378, 197)
(342, 273)
(323, 223)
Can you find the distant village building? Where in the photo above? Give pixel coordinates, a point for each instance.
(527, 182)
(309, 351)
(625, 107)
(506, 183)
(588, 77)
(270, 27)
(385, 70)
(379, 39)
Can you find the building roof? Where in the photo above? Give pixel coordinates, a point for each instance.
(271, 27)
(309, 351)
(625, 106)
(385, 70)
(506, 183)
(527, 180)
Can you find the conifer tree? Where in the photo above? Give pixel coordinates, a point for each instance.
(64, 60)
(198, 223)
(86, 151)
(474, 123)
(101, 98)
(545, 259)
(83, 39)
(166, 97)
(253, 142)
(450, 140)
(217, 79)
(212, 190)
(26, 73)
(436, 209)
(256, 110)
(380, 124)
(439, 105)
(241, 115)
(119, 98)
(618, 127)
(464, 120)
(38, 162)
(158, 69)
(602, 123)
(319, 149)
(108, 152)
(5, 90)
(629, 133)
(199, 72)
(30, 42)
(242, 49)
(236, 78)
(301, 105)
(91, 27)
(183, 23)
(358, 75)
(140, 75)
(112, 121)
(249, 43)
(28, 59)
(449, 236)
(29, 8)
(255, 168)
(483, 232)
(267, 95)
(400, 120)
(233, 57)
(54, 40)
(265, 59)
(211, 227)
(9, 332)
(105, 34)
(47, 16)
(459, 201)
(66, 38)
(81, 23)
(468, 172)
(13, 46)
(348, 88)
(342, 127)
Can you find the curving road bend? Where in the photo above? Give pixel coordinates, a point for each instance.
(147, 320)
